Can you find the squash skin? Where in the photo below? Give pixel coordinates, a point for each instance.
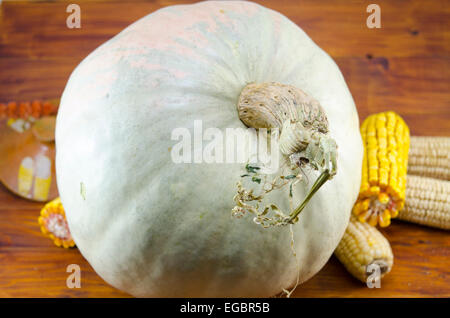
(153, 228)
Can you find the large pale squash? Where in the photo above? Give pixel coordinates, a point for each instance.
(152, 227)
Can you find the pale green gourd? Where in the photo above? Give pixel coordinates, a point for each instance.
(152, 227)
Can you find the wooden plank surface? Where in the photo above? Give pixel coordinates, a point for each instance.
(404, 66)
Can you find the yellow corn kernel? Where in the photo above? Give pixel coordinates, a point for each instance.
(384, 219)
(357, 208)
(383, 198)
(374, 190)
(401, 204)
(371, 144)
(364, 215)
(361, 206)
(365, 204)
(383, 173)
(373, 219)
(394, 213)
(364, 175)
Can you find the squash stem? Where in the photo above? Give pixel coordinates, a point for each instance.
(323, 177)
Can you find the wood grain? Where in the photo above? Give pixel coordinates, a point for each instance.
(404, 66)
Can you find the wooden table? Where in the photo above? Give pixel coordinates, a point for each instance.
(404, 66)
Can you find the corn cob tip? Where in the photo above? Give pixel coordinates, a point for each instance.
(362, 246)
(53, 224)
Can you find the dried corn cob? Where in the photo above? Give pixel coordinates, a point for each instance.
(430, 157)
(382, 193)
(54, 224)
(427, 202)
(361, 246)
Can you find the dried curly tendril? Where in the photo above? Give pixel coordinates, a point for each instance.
(304, 142)
(247, 201)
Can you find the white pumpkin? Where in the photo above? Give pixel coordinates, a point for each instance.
(152, 227)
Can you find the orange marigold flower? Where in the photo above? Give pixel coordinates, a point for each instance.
(12, 109)
(36, 107)
(47, 108)
(24, 110)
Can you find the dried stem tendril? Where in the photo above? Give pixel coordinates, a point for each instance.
(304, 141)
